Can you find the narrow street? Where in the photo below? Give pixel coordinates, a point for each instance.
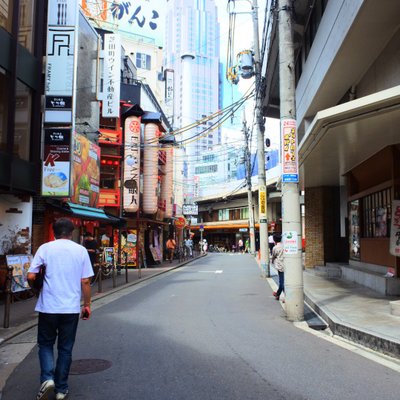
(209, 330)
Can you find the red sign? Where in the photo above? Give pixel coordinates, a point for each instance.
(180, 222)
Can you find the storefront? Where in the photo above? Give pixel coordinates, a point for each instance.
(370, 198)
(86, 220)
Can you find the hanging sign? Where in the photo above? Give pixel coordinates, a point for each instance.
(290, 168)
(131, 164)
(56, 162)
(112, 75)
(180, 222)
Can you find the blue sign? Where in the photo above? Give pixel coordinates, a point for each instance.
(290, 178)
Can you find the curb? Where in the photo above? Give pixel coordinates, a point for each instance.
(352, 333)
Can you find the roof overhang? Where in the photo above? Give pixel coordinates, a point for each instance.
(341, 137)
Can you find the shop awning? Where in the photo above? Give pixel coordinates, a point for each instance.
(88, 212)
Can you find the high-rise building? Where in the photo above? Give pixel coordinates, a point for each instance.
(191, 51)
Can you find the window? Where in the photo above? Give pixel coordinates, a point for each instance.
(3, 110)
(26, 23)
(23, 113)
(376, 209)
(143, 61)
(206, 169)
(108, 177)
(6, 8)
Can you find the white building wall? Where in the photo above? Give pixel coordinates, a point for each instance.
(333, 29)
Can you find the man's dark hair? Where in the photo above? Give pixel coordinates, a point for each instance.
(63, 228)
(277, 238)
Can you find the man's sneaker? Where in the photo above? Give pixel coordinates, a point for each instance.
(45, 388)
(61, 396)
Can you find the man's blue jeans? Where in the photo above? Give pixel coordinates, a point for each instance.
(281, 283)
(63, 328)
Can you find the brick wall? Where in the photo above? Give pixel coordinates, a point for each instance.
(314, 227)
(322, 227)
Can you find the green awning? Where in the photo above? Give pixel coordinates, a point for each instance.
(88, 212)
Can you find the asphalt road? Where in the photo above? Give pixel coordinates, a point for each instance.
(210, 330)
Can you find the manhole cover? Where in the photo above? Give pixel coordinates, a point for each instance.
(89, 366)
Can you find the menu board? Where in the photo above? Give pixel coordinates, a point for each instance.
(20, 264)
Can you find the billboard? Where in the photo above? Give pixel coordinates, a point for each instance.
(139, 17)
(85, 176)
(56, 162)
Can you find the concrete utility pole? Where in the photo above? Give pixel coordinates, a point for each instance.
(262, 189)
(291, 223)
(248, 179)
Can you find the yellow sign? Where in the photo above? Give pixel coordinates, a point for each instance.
(262, 202)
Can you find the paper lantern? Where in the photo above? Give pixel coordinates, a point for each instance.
(150, 169)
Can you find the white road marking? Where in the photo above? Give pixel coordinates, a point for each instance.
(218, 271)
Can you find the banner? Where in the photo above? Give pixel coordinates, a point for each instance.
(85, 171)
(290, 168)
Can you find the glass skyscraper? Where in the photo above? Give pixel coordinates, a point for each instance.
(191, 51)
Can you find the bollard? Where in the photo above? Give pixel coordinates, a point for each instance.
(7, 305)
(126, 266)
(139, 264)
(113, 272)
(100, 278)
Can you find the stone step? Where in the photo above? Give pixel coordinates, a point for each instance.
(395, 307)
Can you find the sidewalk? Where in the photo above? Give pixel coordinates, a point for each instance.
(352, 311)
(24, 317)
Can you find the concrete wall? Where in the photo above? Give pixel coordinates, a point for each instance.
(385, 71)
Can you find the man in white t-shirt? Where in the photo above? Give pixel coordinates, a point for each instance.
(67, 276)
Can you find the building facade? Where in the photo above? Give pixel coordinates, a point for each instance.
(191, 51)
(348, 102)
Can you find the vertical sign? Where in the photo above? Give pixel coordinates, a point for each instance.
(169, 86)
(56, 162)
(262, 203)
(395, 229)
(85, 180)
(131, 164)
(112, 75)
(59, 81)
(290, 168)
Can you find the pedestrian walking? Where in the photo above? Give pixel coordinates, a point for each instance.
(277, 260)
(247, 246)
(189, 246)
(240, 245)
(271, 243)
(171, 244)
(67, 276)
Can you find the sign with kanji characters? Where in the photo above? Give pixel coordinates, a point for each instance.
(395, 229)
(131, 164)
(140, 17)
(112, 75)
(290, 167)
(262, 203)
(56, 162)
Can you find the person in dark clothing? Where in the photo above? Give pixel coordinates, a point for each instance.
(91, 246)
